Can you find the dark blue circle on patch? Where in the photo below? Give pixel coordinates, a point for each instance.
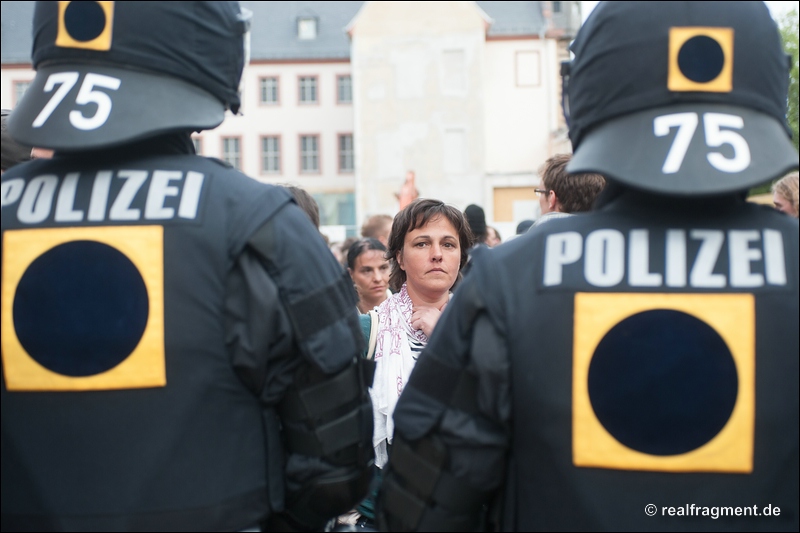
(80, 308)
(84, 21)
(701, 59)
(663, 382)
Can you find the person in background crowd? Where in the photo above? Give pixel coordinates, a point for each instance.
(377, 227)
(171, 316)
(561, 194)
(336, 250)
(492, 237)
(345, 247)
(600, 372)
(784, 194)
(477, 223)
(408, 191)
(41, 153)
(306, 202)
(427, 248)
(13, 152)
(369, 270)
(524, 226)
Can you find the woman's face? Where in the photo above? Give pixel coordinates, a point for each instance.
(431, 257)
(371, 275)
(783, 205)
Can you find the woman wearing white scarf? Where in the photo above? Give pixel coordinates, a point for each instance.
(427, 248)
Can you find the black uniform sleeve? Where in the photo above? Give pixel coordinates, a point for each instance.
(452, 423)
(478, 442)
(259, 335)
(301, 361)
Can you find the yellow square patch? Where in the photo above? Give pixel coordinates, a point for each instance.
(144, 366)
(721, 38)
(731, 316)
(85, 25)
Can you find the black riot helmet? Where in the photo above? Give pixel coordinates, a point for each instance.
(680, 98)
(108, 73)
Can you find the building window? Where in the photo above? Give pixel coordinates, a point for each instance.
(269, 91)
(19, 89)
(198, 145)
(231, 153)
(556, 7)
(338, 209)
(271, 155)
(306, 28)
(344, 89)
(454, 72)
(309, 154)
(346, 152)
(308, 89)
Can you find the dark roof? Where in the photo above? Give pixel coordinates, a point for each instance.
(274, 28)
(15, 32)
(514, 18)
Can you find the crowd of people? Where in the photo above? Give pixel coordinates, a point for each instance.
(199, 357)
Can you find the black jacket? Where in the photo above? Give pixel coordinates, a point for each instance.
(146, 344)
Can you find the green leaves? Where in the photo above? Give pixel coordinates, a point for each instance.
(788, 26)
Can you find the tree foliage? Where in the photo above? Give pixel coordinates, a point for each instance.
(789, 35)
(788, 25)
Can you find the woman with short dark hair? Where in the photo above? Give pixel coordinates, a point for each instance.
(427, 248)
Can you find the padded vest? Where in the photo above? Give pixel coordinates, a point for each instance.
(120, 408)
(654, 364)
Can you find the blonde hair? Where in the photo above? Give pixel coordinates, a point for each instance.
(787, 187)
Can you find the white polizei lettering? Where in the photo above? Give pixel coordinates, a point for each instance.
(159, 190)
(11, 191)
(604, 261)
(99, 199)
(702, 274)
(774, 260)
(560, 249)
(676, 258)
(604, 258)
(121, 208)
(639, 274)
(740, 255)
(37, 199)
(65, 205)
(190, 199)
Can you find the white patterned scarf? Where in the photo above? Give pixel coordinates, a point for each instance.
(394, 361)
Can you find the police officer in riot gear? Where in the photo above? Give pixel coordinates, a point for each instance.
(634, 368)
(179, 349)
